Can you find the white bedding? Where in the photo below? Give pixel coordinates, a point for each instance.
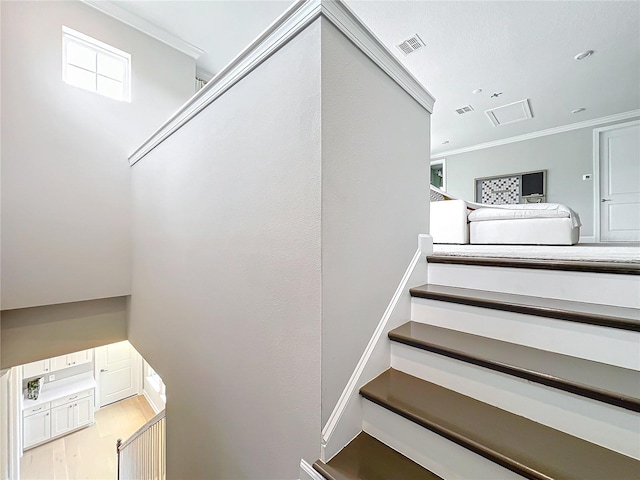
(524, 211)
(459, 221)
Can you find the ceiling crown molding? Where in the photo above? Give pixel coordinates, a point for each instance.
(144, 26)
(300, 15)
(542, 133)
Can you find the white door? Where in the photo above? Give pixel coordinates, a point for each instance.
(119, 372)
(620, 184)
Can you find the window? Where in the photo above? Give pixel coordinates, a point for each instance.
(95, 66)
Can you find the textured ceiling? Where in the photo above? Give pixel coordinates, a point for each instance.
(523, 49)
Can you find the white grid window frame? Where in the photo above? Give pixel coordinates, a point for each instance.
(95, 66)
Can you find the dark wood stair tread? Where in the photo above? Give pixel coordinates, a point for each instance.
(590, 313)
(606, 383)
(367, 458)
(521, 445)
(618, 268)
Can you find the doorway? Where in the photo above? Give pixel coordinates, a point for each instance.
(617, 186)
(118, 370)
(438, 175)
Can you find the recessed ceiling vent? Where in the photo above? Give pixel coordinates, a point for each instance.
(510, 113)
(465, 109)
(411, 44)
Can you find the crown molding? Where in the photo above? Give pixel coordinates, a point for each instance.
(355, 30)
(542, 133)
(300, 15)
(145, 27)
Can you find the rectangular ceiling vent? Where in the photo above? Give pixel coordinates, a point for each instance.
(510, 113)
(465, 109)
(411, 44)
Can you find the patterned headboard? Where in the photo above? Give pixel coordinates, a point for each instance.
(437, 195)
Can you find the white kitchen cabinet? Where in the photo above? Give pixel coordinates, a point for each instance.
(36, 428)
(83, 411)
(85, 356)
(36, 369)
(72, 415)
(61, 419)
(58, 417)
(71, 360)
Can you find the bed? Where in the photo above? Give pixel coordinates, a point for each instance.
(458, 221)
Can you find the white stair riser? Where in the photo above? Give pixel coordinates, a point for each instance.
(601, 344)
(435, 453)
(597, 422)
(600, 288)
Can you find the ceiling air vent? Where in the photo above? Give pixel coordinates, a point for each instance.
(411, 44)
(465, 109)
(510, 113)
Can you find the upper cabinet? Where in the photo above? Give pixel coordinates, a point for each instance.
(73, 359)
(35, 369)
(43, 367)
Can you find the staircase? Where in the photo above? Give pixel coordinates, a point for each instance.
(143, 455)
(508, 369)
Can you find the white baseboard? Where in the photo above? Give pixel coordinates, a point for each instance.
(155, 408)
(307, 472)
(587, 239)
(345, 421)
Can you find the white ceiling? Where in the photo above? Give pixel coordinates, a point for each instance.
(524, 49)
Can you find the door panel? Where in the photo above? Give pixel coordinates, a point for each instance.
(61, 419)
(83, 412)
(119, 372)
(58, 363)
(36, 429)
(620, 184)
(35, 369)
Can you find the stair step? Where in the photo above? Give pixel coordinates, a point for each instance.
(606, 383)
(529, 278)
(602, 315)
(540, 264)
(366, 458)
(516, 443)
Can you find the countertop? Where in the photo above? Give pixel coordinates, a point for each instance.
(61, 388)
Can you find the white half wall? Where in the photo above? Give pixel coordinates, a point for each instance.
(566, 156)
(66, 201)
(227, 275)
(375, 201)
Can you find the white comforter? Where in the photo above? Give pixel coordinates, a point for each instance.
(482, 212)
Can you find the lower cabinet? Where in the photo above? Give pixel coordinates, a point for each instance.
(59, 417)
(36, 428)
(61, 420)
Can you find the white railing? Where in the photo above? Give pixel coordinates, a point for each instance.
(142, 456)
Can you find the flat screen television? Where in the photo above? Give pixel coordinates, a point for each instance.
(532, 184)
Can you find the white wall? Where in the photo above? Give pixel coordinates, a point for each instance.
(375, 168)
(566, 157)
(226, 274)
(36, 333)
(65, 176)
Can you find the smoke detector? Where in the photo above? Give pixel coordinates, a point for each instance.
(411, 44)
(465, 109)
